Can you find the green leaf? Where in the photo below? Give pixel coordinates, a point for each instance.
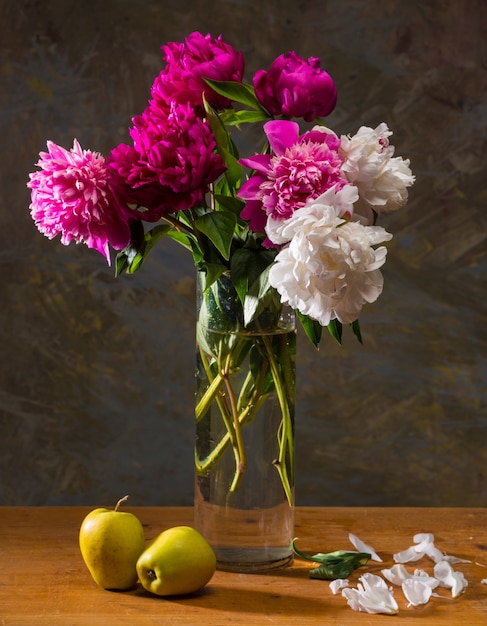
(181, 238)
(355, 326)
(219, 227)
(238, 92)
(121, 262)
(244, 116)
(230, 203)
(259, 297)
(222, 136)
(234, 171)
(150, 239)
(240, 276)
(213, 273)
(125, 257)
(312, 328)
(335, 330)
(133, 256)
(246, 265)
(338, 564)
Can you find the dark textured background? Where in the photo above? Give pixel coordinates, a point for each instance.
(96, 375)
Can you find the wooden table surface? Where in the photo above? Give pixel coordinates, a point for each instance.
(43, 580)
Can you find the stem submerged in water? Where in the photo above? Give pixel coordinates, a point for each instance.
(270, 369)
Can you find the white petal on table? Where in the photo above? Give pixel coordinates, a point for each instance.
(416, 591)
(449, 578)
(399, 573)
(338, 584)
(371, 596)
(359, 545)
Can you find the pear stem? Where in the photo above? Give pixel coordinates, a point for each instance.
(124, 499)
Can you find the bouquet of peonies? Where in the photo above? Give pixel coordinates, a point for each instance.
(293, 225)
(297, 219)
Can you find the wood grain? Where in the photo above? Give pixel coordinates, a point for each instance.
(43, 580)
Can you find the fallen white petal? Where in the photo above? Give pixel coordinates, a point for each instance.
(371, 596)
(484, 581)
(455, 559)
(425, 545)
(433, 552)
(408, 555)
(360, 546)
(396, 575)
(426, 578)
(424, 538)
(399, 573)
(449, 578)
(337, 584)
(416, 591)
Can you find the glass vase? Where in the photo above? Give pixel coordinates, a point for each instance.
(244, 447)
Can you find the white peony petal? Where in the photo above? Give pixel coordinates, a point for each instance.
(449, 578)
(426, 542)
(423, 538)
(416, 591)
(455, 559)
(399, 573)
(396, 575)
(338, 584)
(408, 555)
(360, 546)
(484, 581)
(420, 574)
(371, 596)
(434, 553)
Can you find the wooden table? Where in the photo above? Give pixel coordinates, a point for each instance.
(43, 580)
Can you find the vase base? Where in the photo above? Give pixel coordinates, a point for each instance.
(250, 560)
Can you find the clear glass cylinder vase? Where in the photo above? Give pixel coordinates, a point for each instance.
(244, 446)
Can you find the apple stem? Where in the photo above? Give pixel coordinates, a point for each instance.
(124, 499)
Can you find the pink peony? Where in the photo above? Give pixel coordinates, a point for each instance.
(171, 163)
(189, 63)
(301, 168)
(296, 88)
(72, 196)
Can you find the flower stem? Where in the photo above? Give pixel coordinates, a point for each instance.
(286, 434)
(239, 447)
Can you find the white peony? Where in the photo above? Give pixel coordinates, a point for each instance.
(329, 269)
(382, 179)
(282, 231)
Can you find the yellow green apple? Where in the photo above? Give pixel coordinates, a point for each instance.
(111, 541)
(179, 561)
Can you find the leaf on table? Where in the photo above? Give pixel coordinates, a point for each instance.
(332, 565)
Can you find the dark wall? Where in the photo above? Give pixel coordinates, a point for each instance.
(96, 374)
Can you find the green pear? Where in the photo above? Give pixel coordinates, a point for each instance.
(110, 544)
(179, 561)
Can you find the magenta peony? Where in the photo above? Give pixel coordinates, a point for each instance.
(171, 163)
(72, 196)
(296, 88)
(189, 63)
(300, 168)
